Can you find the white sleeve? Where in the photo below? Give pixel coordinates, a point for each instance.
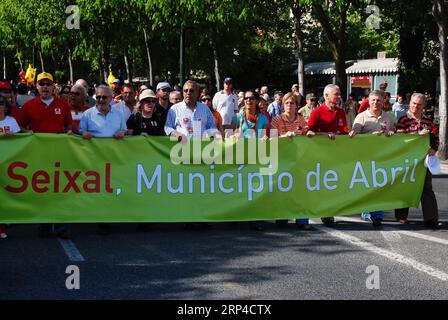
(14, 126)
(215, 101)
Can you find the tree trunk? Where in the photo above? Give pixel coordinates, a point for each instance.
(4, 64)
(439, 11)
(126, 62)
(337, 41)
(215, 59)
(20, 60)
(70, 65)
(149, 58)
(297, 12)
(41, 61)
(216, 69)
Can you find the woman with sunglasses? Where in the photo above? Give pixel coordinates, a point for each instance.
(64, 94)
(145, 121)
(250, 122)
(290, 124)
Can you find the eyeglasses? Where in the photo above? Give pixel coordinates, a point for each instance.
(101, 97)
(65, 92)
(189, 90)
(149, 101)
(204, 100)
(45, 84)
(165, 90)
(250, 98)
(74, 93)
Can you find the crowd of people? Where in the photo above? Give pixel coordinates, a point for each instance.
(115, 111)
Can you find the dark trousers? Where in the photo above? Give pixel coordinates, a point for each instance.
(429, 203)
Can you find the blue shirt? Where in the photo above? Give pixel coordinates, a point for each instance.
(188, 122)
(100, 125)
(274, 110)
(239, 121)
(399, 109)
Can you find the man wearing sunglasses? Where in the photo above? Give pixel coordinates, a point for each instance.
(103, 121)
(190, 118)
(48, 114)
(163, 104)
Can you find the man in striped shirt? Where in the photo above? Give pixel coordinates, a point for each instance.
(414, 122)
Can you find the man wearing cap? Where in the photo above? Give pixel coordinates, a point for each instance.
(305, 111)
(190, 118)
(226, 103)
(48, 114)
(163, 104)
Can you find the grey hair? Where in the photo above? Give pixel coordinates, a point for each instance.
(81, 88)
(172, 93)
(419, 95)
(330, 87)
(377, 93)
(196, 86)
(102, 86)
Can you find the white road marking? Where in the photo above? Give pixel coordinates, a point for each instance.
(396, 257)
(71, 251)
(399, 232)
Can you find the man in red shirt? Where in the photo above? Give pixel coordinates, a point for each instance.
(48, 114)
(328, 119)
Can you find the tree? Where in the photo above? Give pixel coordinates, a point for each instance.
(439, 10)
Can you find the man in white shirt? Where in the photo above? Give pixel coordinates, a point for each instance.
(190, 118)
(226, 103)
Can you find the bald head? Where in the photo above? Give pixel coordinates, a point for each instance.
(83, 83)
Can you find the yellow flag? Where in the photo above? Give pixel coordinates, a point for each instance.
(110, 79)
(30, 74)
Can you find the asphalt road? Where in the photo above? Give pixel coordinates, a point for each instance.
(230, 261)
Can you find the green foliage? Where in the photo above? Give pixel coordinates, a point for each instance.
(254, 39)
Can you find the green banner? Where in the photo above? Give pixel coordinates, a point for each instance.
(60, 178)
